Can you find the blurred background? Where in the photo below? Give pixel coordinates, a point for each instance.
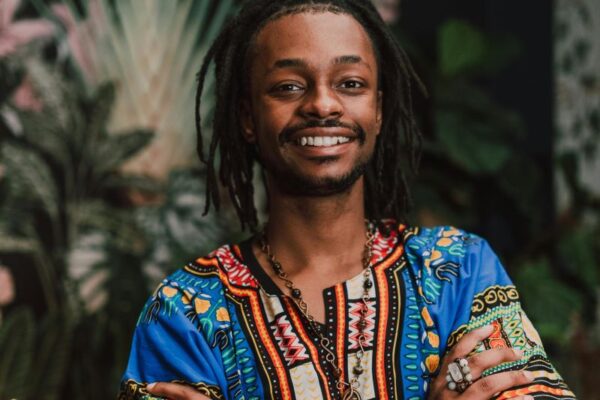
(101, 193)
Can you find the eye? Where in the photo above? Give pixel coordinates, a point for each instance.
(287, 88)
(352, 84)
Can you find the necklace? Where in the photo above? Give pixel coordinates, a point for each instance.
(349, 389)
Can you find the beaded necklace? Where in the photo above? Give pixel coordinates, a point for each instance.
(348, 389)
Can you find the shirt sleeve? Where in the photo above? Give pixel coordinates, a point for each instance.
(465, 287)
(168, 346)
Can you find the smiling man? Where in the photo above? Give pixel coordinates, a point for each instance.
(336, 297)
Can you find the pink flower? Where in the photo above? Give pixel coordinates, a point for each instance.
(83, 35)
(7, 287)
(25, 97)
(14, 34)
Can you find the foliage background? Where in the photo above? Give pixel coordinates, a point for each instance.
(101, 196)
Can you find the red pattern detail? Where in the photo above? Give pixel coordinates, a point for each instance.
(237, 273)
(383, 245)
(496, 339)
(354, 314)
(293, 350)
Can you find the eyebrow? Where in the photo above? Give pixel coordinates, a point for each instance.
(300, 63)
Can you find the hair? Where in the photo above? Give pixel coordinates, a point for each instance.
(398, 144)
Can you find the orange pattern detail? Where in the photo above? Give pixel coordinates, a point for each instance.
(509, 394)
(382, 317)
(341, 328)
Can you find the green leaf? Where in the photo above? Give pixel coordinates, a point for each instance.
(461, 47)
(579, 252)
(30, 178)
(113, 151)
(135, 182)
(16, 354)
(541, 291)
(474, 146)
(52, 357)
(10, 243)
(118, 225)
(100, 112)
(44, 133)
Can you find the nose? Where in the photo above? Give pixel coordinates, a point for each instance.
(322, 102)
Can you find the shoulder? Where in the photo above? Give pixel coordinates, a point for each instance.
(434, 245)
(448, 256)
(223, 267)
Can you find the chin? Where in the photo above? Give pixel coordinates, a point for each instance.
(311, 186)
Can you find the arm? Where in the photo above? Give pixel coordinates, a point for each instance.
(169, 347)
(464, 287)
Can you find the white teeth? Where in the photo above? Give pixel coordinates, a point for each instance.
(322, 141)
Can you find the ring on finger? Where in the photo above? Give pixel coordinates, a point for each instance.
(459, 376)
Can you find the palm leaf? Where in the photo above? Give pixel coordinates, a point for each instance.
(114, 151)
(52, 357)
(134, 47)
(30, 178)
(16, 354)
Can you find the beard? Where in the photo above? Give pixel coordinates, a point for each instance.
(295, 183)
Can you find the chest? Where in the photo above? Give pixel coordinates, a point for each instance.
(368, 337)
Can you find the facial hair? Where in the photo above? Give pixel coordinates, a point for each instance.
(290, 182)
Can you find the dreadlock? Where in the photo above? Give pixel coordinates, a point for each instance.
(398, 145)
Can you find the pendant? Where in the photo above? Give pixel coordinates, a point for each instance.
(352, 394)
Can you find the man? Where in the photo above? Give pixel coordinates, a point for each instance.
(330, 300)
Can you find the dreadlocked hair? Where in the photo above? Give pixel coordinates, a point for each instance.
(398, 144)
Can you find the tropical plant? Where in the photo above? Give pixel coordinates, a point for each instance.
(98, 235)
(153, 50)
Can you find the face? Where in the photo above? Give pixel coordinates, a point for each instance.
(314, 110)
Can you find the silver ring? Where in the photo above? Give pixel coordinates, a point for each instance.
(459, 376)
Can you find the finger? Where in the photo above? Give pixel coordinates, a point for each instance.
(491, 358)
(486, 387)
(468, 342)
(174, 391)
(464, 346)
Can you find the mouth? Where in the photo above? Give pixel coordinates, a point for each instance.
(322, 141)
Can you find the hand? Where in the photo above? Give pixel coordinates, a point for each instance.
(484, 388)
(174, 391)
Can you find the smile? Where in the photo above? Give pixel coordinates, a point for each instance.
(322, 141)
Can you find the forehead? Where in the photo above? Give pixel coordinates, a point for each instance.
(316, 37)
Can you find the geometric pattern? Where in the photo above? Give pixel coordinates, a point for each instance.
(306, 382)
(293, 350)
(354, 312)
(429, 287)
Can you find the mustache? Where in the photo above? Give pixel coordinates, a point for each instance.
(286, 134)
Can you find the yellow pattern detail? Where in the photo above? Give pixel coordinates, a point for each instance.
(432, 361)
(222, 314)
(426, 317)
(201, 305)
(169, 291)
(444, 242)
(434, 339)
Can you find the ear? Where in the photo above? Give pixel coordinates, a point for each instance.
(379, 111)
(247, 122)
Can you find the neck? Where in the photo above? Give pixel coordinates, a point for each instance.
(309, 232)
